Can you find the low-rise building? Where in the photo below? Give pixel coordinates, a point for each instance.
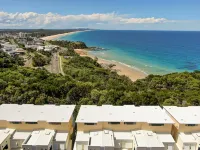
(123, 127)
(5, 135)
(37, 126)
(186, 130)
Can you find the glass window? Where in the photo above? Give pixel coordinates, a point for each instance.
(90, 124)
(115, 123)
(16, 122)
(156, 124)
(31, 122)
(129, 123)
(191, 125)
(55, 123)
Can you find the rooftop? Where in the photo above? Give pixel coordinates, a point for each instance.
(61, 137)
(102, 138)
(147, 139)
(123, 135)
(4, 133)
(142, 138)
(187, 137)
(185, 115)
(35, 113)
(40, 137)
(21, 135)
(127, 113)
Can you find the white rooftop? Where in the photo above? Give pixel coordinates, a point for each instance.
(82, 136)
(165, 138)
(35, 113)
(187, 137)
(61, 136)
(147, 139)
(123, 135)
(185, 115)
(4, 133)
(127, 113)
(102, 138)
(21, 135)
(40, 137)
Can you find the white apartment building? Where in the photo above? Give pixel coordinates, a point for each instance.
(36, 127)
(123, 127)
(186, 130)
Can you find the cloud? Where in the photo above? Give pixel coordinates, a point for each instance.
(53, 20)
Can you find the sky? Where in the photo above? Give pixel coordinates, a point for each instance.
(101, 14)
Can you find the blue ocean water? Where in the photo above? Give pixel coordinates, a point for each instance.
(154, 52)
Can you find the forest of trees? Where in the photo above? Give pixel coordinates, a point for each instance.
(70, 44)
(86, 82)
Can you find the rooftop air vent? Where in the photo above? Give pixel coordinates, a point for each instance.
(106, 131)
(138, 132)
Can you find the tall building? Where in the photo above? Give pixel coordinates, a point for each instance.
(123, 127)
(186, 130)
(35, 127)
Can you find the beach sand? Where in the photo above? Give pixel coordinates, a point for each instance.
(121, 69)
(53, 37)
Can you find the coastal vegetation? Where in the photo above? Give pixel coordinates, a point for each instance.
(69, 44)
(86, 82)
(39, 60)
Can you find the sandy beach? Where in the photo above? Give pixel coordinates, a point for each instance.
(121, 69)
(53, 37)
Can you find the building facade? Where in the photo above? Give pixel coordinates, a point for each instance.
(186, 130)
(123, 127)
(36, 127)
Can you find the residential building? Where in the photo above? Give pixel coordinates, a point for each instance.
(186, 130)
(36, 126)
(123, 127)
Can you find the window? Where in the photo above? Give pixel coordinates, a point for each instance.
(31, 122)
(129, 123)
(156, 124)
(115, 123)
(90, 124)
(16, 122)
(191, 125)
(55, 123)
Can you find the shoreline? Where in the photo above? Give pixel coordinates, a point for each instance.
(122, 69)
(56, 36)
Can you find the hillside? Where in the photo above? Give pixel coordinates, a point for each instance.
(86, 82)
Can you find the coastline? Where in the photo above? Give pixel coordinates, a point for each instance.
(122, 69)
(53, 37)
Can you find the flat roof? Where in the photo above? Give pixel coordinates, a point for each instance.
(187, 137)
(185, 115)
(165, 138)
(21, 135)
(35, 113)
(82, 136)
(127, 113)
(61, 136)
(4, 133)
(146, 139)
(40, 137)
(102, 138)
(123, 135)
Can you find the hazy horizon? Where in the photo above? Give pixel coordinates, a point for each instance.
(116, 15)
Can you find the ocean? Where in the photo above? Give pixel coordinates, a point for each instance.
(152, 52)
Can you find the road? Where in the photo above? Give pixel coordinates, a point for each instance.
(55, 64)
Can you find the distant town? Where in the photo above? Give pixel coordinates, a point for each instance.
(35, 51)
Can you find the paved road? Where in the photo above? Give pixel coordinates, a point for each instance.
(55, 64)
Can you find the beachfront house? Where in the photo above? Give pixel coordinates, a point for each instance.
(123, 127)
(35, 126)
(186, 130)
